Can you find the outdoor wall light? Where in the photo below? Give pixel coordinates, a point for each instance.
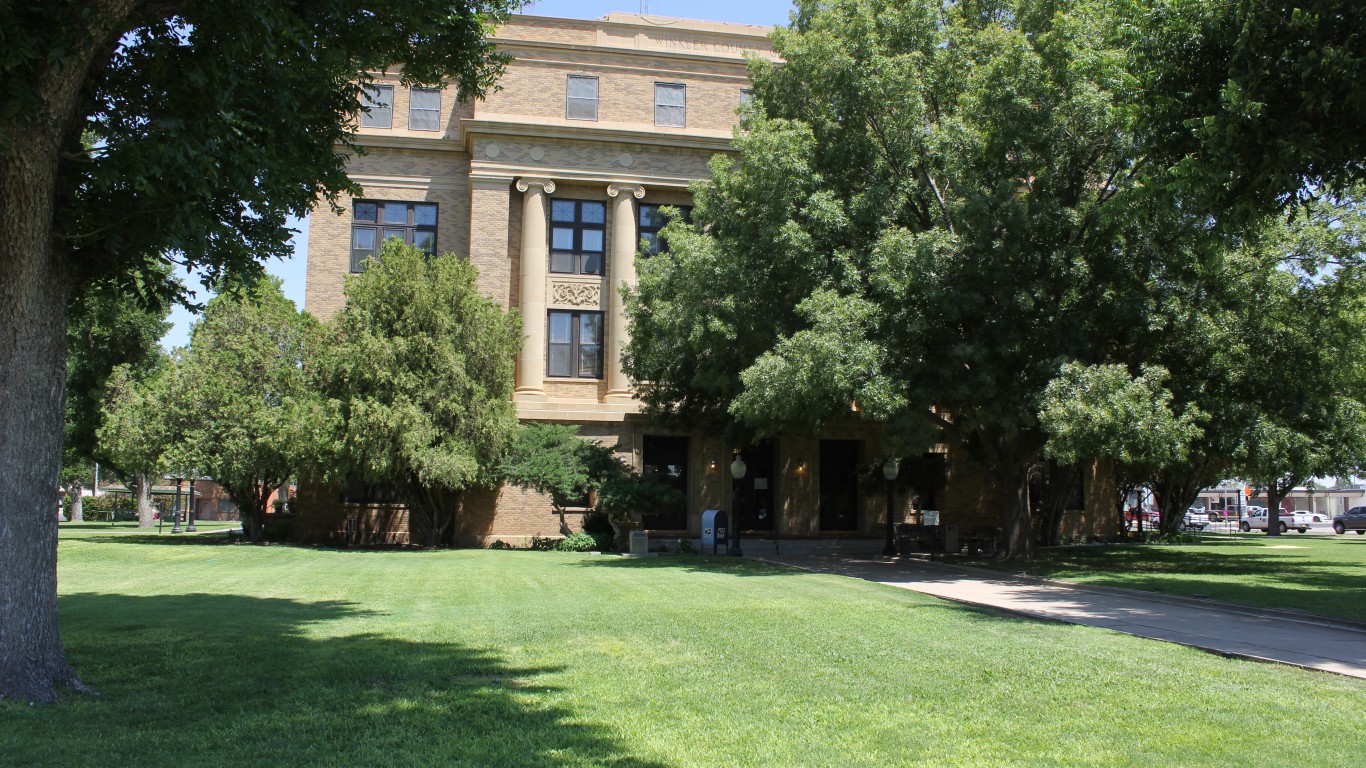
(711, 465)
(801, 466)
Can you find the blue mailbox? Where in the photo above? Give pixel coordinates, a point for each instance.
(713, 529)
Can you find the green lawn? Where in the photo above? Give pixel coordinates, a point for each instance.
(83, 530)
(1325, 575)
(216, 654)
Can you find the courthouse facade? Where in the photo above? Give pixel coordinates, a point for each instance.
(550, 186)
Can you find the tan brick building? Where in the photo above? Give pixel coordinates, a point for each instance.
(549, 185)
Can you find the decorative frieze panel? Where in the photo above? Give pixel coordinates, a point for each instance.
(576, 294)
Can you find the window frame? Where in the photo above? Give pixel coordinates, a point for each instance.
(597, 94)
(683, 88)
(660, 245)
(578, 227)
(377, 225)
(370, 98)
(575, 344)
(412, 109)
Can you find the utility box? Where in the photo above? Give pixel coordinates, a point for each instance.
(713, 529)
(640, 543)
(951, 539)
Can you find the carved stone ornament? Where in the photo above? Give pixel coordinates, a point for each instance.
(546, 184)
(576, 294)
(636, 190)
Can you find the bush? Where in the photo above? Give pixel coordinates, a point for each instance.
(597, 522)
(500, 544)
(543, 543)
(579, 542)
(278, 528)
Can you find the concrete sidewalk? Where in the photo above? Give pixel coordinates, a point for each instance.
(1303, 641)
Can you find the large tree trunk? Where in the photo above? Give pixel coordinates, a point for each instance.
(251, 500)
(146, 512)
(33, 296)
(1019, 531)
(77, 506)
(1175, 492)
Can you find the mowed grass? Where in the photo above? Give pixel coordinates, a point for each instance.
(83, 530)
(229, 655)
(1324, 575)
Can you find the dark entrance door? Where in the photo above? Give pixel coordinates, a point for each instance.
(839, 485)
(666, 458)
(759, 488)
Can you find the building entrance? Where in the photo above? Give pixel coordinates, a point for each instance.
(759, 488)
(839, 485)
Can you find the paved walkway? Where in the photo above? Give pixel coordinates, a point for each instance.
(1280, 636)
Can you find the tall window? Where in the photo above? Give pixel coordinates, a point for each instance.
(379, 99)
(665, 459)
(424, 109)
(651, 221)
(574, 345)
(746, 96)
(577, 229)
(581, 98)
(670, 104)
(373, 222)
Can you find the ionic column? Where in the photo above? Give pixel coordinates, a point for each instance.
(621, 270)
(535, 251)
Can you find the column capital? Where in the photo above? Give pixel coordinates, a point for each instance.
(637, 190)
(524, 184)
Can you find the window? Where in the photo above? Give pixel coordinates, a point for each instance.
(670, 104)
(581, 98)
(577, 229)
(424, 109)
(574, 345)
(651, 221)
(746, 96)
(373, 222)
(665, 459)
(379, 100)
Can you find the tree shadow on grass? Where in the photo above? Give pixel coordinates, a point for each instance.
(191, 680)
(719, 564)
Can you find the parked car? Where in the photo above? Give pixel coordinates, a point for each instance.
(1150, 517)
(1256, 518)
(1196, 519)
(1353, 519)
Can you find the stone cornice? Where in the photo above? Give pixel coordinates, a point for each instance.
(523, 127)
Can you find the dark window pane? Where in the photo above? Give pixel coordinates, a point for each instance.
(590, 328)
(562, 238)
(395, 213)
(558, 360)
(561, 327)
(649, 216)
(590, 362)
(651, 242)
(562, 210)
(424, 215)
(425, 241)
(592, 264)
(380, 100)
(366, 211)
(363, 238)
(594, 213)
(592, 240)
(561, 261)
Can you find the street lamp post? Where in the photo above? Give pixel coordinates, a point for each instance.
(176, 527)
(189, 508)
(737, 473)
(889, 471)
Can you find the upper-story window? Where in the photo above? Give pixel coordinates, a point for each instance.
(581, 98)
(375, 221)
(574, 344)
(577, 231)
(651, 221)
(746, 96)
(424, 109)
(670, 104)
(379, 100)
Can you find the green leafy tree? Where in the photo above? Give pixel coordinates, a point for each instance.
(1103, 412)
(246, 397)
(214, 123)
(1253, 105)
(421, 365)
(934, 207)
(136, 427)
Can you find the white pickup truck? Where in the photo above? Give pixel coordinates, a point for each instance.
(1256, 518)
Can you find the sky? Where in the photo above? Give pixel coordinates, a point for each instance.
(293, 270)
